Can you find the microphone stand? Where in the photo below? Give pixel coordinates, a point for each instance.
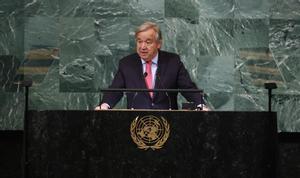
(145, 74)
(26, 84)
(132, 103)
(269, 87)
(169, 99)
(150, 90)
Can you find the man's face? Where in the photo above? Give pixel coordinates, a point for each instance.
(146, 44)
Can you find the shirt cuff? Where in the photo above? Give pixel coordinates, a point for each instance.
(203, 107)
(104, 106)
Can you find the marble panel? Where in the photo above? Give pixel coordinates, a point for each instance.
(93, 8)
(11, 8)
(251, 33)
(284, 37)
(288, 112)
(12, 36)
(44, 8)
(254, 9)
(146, 8)
(209, 38)
(288, 9)
(11, 110)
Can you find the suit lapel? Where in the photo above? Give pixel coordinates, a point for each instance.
(161, 69)
(139, 72)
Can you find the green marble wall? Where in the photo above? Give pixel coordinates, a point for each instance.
(71, 48)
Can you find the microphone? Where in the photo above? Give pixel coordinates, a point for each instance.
(161, 84)
(145, 74)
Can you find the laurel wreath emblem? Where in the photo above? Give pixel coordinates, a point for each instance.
(149, 132)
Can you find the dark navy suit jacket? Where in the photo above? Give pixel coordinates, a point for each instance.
(171, 74)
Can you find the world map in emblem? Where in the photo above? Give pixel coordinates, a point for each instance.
(150, 132)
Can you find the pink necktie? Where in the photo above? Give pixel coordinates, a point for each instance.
(149, 76)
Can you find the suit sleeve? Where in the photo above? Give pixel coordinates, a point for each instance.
(184, 81)
(112, 98)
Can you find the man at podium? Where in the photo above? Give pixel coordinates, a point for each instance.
(151, 68)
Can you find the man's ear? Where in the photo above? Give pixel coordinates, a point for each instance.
(159, 44)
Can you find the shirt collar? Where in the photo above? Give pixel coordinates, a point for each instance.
(154, 60)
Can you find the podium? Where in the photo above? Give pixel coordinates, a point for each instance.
(151, 143)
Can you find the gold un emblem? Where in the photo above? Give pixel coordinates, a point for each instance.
(149, 132)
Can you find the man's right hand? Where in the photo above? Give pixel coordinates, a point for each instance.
(103, 106)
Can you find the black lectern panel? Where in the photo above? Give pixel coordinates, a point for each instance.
(150, 144)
